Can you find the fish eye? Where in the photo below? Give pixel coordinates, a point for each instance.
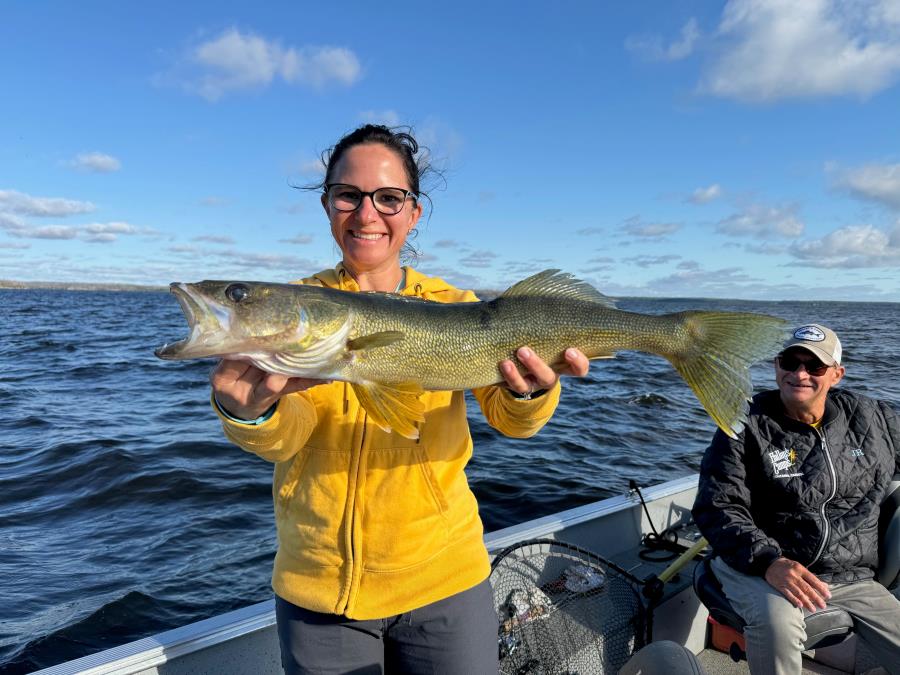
(237, 292)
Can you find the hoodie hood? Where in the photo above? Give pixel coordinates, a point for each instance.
(417, 284)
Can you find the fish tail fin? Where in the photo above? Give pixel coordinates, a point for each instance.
(719, 348)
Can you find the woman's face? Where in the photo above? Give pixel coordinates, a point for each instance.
(371, 240)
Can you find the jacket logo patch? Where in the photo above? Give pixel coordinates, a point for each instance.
(857, 452)
(783, 463)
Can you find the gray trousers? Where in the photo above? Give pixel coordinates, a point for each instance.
(775, 629)
(457, 635)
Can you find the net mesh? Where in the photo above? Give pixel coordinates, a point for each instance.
(562, 609)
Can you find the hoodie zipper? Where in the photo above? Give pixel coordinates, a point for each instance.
(826, 524)
(353, 487)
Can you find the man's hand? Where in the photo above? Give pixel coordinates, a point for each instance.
(798, 584)
(538, 374)
(246, 392)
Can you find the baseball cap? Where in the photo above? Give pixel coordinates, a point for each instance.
(819, 340)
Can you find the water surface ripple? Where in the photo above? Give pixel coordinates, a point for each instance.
(124, 512)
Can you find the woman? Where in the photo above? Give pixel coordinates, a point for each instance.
(381, 564)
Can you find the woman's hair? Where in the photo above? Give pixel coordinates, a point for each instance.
(415, 160)
(401, 142)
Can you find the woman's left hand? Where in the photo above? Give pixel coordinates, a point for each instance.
(539, 376)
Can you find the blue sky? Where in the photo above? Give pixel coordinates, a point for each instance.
(744, 149)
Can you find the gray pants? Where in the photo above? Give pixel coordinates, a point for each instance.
(775, 629)
(457, 635)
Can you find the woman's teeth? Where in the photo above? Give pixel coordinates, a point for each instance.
(371, 237)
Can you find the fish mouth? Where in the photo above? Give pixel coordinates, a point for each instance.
(208, 323)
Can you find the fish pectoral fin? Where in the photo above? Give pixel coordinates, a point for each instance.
(392, 407)
(382, 339)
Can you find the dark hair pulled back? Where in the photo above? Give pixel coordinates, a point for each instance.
(397, 139)
(415, 160)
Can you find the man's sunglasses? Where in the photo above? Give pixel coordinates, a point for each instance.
(814, 367)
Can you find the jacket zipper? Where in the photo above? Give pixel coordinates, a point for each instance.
(826, 524)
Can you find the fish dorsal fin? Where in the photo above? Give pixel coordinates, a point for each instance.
(382, 339)
(392, 406)
(553, 283)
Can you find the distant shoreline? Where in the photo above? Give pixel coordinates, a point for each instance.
(483, 294)
(7, 284)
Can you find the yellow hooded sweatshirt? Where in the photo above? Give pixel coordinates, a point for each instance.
(372, 524)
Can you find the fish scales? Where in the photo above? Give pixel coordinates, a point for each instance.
(459, 346)
(391, 348)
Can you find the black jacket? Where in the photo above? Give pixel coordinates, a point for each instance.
(784, 488)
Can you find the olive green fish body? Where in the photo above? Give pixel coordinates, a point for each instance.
(459, 346)
(393, 347)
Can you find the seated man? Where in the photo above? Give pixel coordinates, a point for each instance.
(790, 507)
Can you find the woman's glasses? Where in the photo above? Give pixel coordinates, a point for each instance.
(791, 362)
(387, 200)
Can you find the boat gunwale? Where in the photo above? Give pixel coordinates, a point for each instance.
(155, 650)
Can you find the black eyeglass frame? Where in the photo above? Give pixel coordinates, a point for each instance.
(816, 371)
(407, 194)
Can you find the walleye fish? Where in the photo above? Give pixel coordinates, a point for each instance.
(391, 348)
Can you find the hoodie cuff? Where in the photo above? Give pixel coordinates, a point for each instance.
(265, 417)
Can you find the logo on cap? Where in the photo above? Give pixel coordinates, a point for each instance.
(809, 333)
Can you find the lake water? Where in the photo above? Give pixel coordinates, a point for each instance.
(124, 512)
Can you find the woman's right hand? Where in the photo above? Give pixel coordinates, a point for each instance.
(246, 392)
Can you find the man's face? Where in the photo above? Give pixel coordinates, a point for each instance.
(800, 389)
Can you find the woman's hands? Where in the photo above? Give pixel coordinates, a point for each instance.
(246, 392)
(539, 375)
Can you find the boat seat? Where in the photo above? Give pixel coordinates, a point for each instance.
(824, 627)
(827, 626)
(888, 573)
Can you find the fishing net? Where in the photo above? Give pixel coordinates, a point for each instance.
(562, 609)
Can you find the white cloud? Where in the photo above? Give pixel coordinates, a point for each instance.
(313, 167)
(235, 61)
(774, 49)
(389, 118)
(696, 281)
(704, 195)
(762, 222)
(93, 232)
(857, 246)
(291, 263)
(479, 259)
(651, 47)
(46, 232)
(299, 239)
(214, 239)
(19, 202)
(651, 260)
(96, 162)
(116, 227)
(638, 228)
(438, 139)
(875, 182)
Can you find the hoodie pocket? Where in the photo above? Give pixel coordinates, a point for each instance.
(404, 520)
(309, 506)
